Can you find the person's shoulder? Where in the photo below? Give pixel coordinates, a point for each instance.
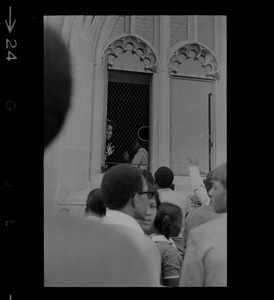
(167, 250)
(220, 220)
(142, 150)
(89, 241)
(204, 212)
(141, 241)
(194, 212)
(210, 228)
(163, 246)
(168, 195)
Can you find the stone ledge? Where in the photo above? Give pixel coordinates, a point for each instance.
(80, 197)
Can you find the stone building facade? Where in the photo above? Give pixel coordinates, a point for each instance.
(181, 63)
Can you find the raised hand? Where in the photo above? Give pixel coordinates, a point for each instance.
(193, 162)
(110, 149)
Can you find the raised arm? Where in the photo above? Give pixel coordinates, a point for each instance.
(197, 182)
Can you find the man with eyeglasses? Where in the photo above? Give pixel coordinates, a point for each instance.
(125, 192)
(126, 195)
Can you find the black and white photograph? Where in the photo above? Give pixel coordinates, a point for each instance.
(135, 150)
(135, 178)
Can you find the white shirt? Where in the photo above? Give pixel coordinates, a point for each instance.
(119, 218)
(205, 262)
(198, 185)
(140, 158)
(177, 198)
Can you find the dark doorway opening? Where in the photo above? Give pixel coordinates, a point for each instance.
(128, 107)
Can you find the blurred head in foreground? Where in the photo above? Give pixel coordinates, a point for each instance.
(57, 84)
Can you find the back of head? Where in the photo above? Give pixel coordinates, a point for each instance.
(119, 184)
(164, 177)
(220, 174)
(95, 203)
(57, 84)
(137, 144)
(166, 209)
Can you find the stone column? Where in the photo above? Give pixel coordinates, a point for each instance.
(221, 102)
(164, 93)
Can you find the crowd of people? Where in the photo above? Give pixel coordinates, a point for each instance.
(137, 230)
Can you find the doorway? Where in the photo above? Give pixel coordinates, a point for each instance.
(128, 108)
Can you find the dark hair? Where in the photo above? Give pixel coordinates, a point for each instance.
(148, 176)
(95, 203)
(110, 122)
(57, 84)
(169, 209)
(208, 181)
(219, 174)
(164, 177)
(119, 183)
(156, 193)
(137, 141)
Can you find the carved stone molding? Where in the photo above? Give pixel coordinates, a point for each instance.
(136, 46)
(196, 52)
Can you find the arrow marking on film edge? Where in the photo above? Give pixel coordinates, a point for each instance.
(9, 26)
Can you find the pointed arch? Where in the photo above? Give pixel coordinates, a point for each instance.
(199, 53)
(134, 44)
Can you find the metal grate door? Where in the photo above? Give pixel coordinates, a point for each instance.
(128, 107)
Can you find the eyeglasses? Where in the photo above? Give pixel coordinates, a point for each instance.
(149, 194)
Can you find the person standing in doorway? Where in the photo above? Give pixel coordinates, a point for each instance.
(109, 148)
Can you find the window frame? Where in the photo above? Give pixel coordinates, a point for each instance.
(213, 121)
(148, 82)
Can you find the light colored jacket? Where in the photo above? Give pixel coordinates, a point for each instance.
(205, 262)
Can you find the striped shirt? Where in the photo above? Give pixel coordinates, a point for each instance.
(170, 257)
